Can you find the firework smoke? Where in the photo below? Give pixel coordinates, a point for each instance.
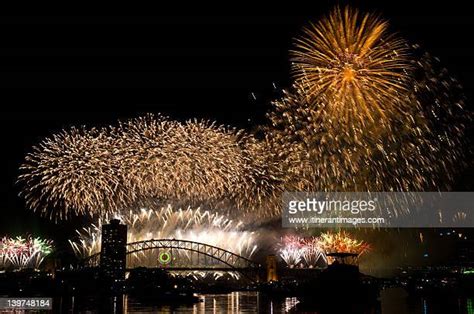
(20, 253)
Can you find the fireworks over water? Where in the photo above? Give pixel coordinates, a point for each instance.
(367, 111)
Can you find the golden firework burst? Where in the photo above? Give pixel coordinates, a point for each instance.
(353, 65)
(143, 160)
(350, 71)
(342, 242)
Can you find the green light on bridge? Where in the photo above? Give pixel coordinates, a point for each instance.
(164, 258)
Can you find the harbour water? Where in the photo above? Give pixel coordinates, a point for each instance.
(391, 301)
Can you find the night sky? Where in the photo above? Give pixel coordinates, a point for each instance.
(56, 72)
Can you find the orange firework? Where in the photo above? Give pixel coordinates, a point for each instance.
(368, 112)
(342, 242)
(354, 64)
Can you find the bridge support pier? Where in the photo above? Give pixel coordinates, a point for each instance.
(272, 268)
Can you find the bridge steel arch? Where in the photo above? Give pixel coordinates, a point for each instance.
(227, 259)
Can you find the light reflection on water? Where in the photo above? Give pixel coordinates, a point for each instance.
(391, 301)
(235, 302)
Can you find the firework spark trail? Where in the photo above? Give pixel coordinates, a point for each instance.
(321, 130)
(298, 251)
(20, 253)
(200, 162)
(342, 242)
(313, 253)
(75, 171)
(291, 256)
(367, 112)
(353, 63)
(146, 159)
(167, 223)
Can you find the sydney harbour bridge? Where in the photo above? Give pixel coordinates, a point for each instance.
(199, 256)
(174, 255)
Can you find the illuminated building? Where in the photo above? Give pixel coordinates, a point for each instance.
(113, 255)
